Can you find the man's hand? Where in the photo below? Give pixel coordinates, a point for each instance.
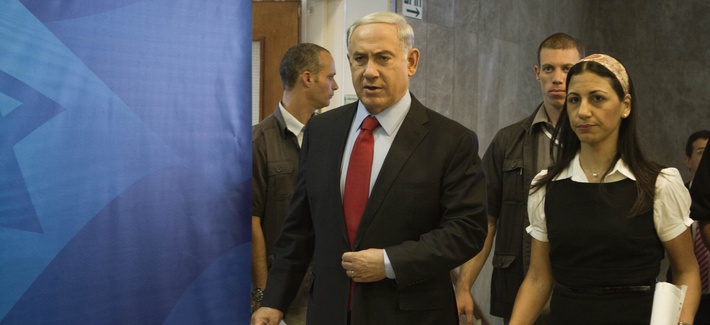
(464, 303)
(266, 316)
(365, 266)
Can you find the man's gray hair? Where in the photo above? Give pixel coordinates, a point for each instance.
(405, 33)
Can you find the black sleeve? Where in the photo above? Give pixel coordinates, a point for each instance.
(700, 190)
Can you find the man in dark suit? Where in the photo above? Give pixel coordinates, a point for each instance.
(694, 150)
(424, 211)
(700, 192)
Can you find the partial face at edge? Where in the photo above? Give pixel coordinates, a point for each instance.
(693, 161)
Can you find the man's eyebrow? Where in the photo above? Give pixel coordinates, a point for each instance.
(380, 52)
(384, 52)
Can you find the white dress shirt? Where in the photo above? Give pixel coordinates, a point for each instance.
(671, 204)
(292, 124)
(390, 121)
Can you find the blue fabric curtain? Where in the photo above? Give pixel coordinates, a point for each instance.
(125, 161)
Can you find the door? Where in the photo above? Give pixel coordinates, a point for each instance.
(275, 28)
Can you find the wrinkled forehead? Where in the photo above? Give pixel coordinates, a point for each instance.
(385, 35)
(559, 57)
(374, 32)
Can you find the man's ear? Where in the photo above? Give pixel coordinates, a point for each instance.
(412, 61)
(307, 78)
(537, 72)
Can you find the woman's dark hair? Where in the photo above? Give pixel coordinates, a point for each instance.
(628, 144)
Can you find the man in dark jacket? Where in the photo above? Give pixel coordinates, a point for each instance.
(700, 211)
(516, 154)
(307, 72)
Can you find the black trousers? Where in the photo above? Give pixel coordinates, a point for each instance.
(702, 317)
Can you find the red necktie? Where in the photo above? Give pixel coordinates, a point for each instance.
(701, 254)
(357, 180)
(357, 183)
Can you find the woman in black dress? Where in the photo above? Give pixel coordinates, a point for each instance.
(603, 214)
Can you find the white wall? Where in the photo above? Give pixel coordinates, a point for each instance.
(324, 22)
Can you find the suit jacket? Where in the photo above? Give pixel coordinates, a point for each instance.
(426, 209)
(700, 191)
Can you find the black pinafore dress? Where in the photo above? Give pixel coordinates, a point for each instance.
(595, 244)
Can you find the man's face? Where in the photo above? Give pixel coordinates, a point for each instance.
(379, 69)
(552, 72)
(324, 81)
(697, 153)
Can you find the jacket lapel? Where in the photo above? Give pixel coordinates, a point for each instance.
(341, 131)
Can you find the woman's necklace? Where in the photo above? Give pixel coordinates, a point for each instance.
(594, 174)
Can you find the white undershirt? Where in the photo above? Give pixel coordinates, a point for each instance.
(390, 121)
(292, 124)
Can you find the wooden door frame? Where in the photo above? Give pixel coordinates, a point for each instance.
(261, 41)
(269, 39)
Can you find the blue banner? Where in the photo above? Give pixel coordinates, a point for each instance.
(125, 161)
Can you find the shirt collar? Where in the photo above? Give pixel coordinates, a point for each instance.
(292, 124)
(390, 119)
(620, 172)
(541, 116)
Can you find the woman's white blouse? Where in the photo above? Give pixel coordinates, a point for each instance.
(671, 206)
